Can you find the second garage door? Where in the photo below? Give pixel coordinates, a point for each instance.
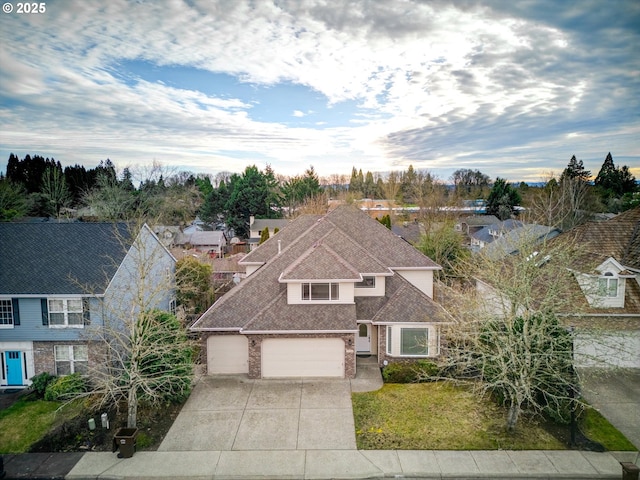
(302, 357)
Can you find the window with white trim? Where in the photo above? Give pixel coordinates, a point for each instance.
(6, 312)
(367, 282)
(71, 359)
(65, 312)
(321, 291)
(608, 286)
(405, 341)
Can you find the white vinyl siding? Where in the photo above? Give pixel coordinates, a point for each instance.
(421, 279)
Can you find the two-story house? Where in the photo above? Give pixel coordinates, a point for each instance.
(257, 225)
(323, 290)
(607, 273)
(61, 281)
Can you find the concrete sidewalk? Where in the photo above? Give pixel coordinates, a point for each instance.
(353, 464)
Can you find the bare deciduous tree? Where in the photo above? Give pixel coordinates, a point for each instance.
(146, 353)
(507, 338)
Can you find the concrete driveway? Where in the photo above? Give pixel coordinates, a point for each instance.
(617, 397)
(235, 413)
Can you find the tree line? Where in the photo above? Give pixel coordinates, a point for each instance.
(39, 186)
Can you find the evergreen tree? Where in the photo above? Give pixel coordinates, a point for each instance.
(369, 187)
(356, 183)
(614, 181)
(264, 235)
(249, 196)
(575, 169)
(502, 199)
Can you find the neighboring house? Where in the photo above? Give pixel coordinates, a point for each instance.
(509, 242)
(485, 235)
(57, 279)
(169, 235)
(603, 298)
(321, 291)
(212, 242)
(608, 276)
(197, 226)
(472, 224)
(409, 231)
(256, 225)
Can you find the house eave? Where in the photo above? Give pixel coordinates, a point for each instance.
(437, 267)
(52, 295)
(319, 280)
(295, 332)
(212, 329)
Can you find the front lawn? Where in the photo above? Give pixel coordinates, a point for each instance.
(25, 422)
(441, 416)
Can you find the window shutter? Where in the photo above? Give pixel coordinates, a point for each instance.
(86, 314)
(45, 311)
(16, 311)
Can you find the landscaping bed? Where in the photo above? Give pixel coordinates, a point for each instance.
(32, 425)
(441, 416)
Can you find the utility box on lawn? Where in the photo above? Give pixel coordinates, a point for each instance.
(125, 441)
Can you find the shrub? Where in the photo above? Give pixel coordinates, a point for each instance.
(409, 372)
(40, 382)
(66, 387)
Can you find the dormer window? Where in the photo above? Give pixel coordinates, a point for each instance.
(367, 282)
(608, 285)
(320, 291)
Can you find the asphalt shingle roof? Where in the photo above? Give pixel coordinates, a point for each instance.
(618, 238)
(341, 244)
(59, 258)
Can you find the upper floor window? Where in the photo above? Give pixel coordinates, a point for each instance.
(367, 282)
(320, 291)
(66, 312)
(608, 286)
(6, 312)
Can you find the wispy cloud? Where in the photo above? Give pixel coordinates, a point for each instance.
(511, 89)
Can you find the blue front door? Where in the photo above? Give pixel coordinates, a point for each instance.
(14, 368)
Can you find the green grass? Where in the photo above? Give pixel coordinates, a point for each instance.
(24, 423)
(29, 420)
(598, 428)
(440, 416)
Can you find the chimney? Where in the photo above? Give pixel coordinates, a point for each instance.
(279, 246)
(251, 219)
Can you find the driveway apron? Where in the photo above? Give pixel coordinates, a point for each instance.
(235, 413)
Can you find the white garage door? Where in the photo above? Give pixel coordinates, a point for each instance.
(303, 357)
(227, 354)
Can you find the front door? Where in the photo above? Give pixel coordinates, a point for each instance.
(14, 367)
(363, 340)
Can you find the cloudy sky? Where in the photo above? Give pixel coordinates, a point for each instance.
(513, 88)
